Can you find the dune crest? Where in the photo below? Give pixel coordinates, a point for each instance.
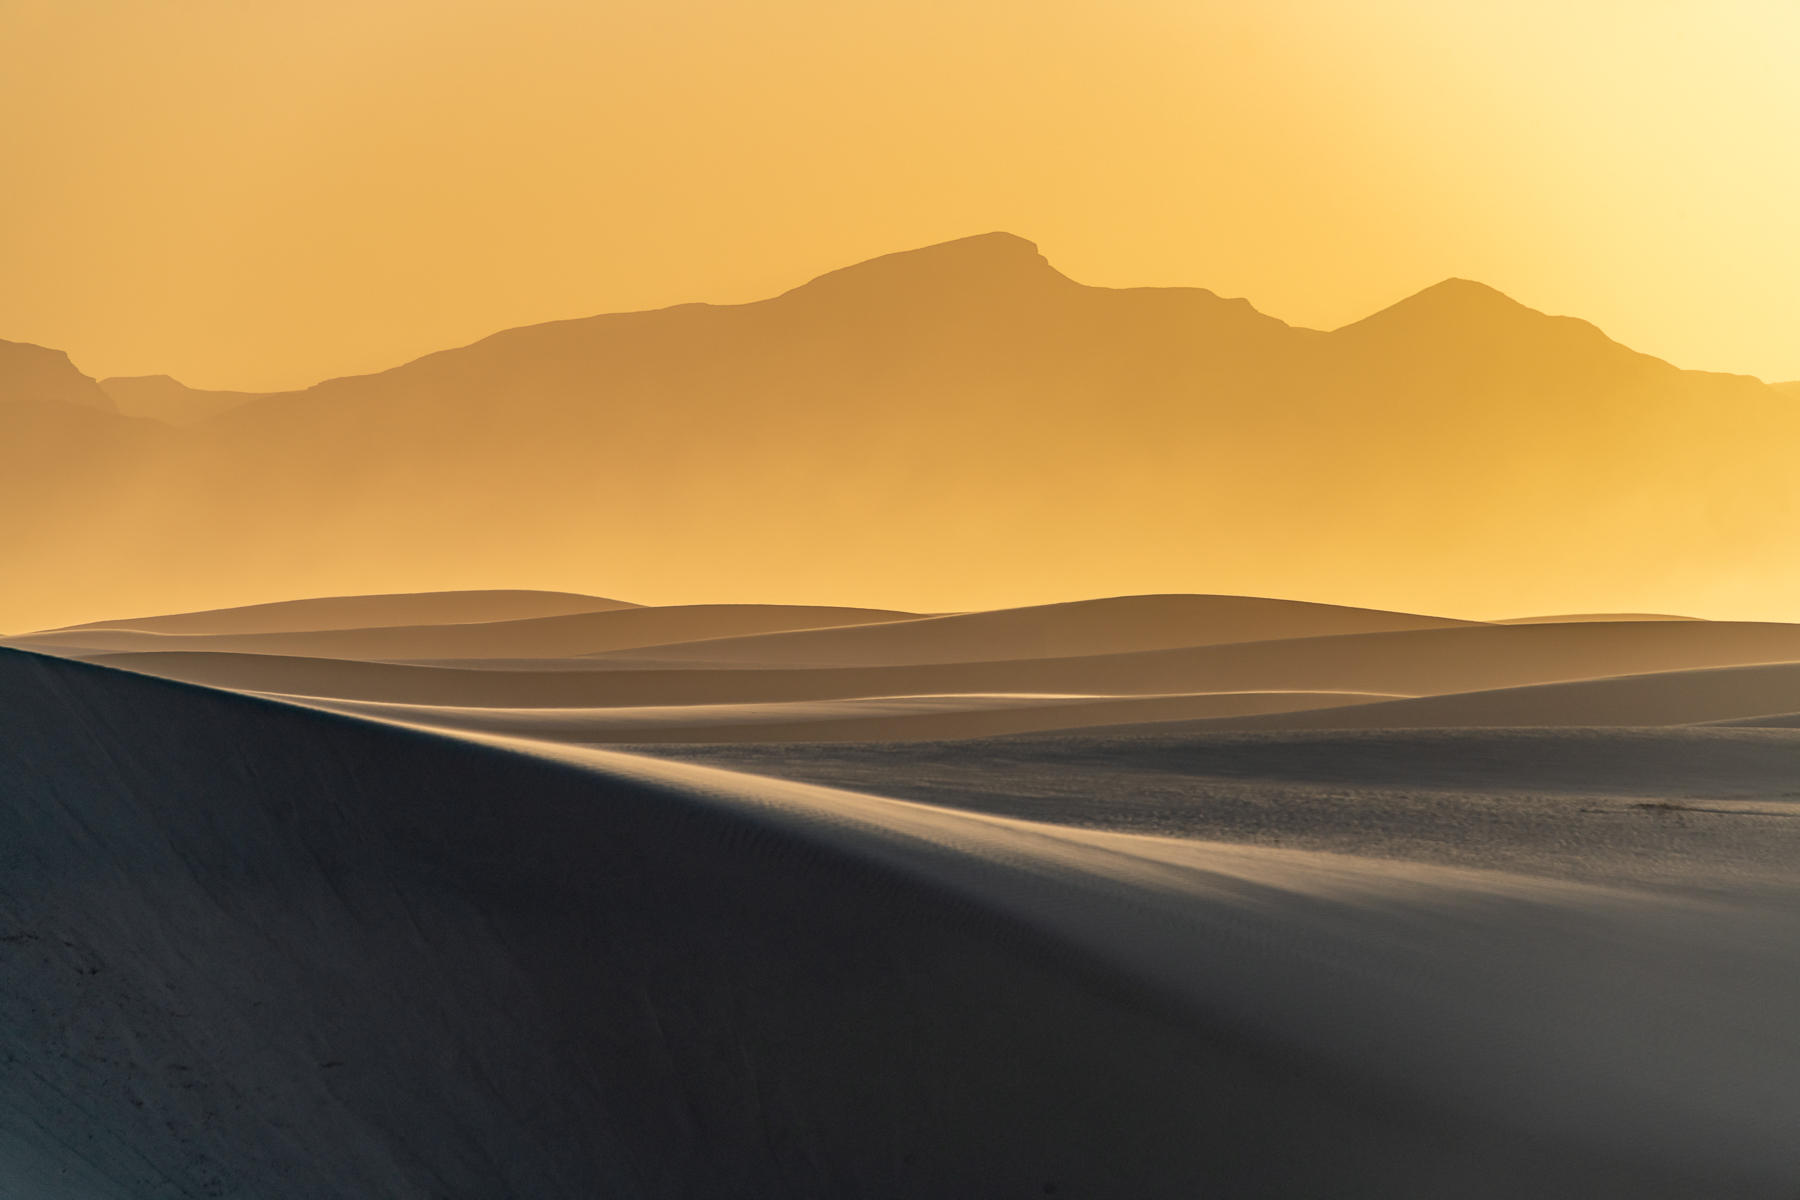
(354, 612)
(1120, 624)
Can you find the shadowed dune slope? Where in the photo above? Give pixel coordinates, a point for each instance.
(1115, 625)
(546, 636)
(1407, 662)
(356, 612)
(255, 950)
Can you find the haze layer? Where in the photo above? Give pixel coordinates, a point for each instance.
(954, 427)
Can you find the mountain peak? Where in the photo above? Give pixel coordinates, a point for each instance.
(158, 380)
(1464, 317)
(982, 262)
(1456, 298)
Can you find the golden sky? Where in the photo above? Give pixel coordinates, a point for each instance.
(262, 193)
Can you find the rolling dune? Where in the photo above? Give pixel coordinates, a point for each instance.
(550, 636)
(1407, 662)
(1665, 698)
(1117, 625)
(352, 612)
(1705, 812)
(253, 949)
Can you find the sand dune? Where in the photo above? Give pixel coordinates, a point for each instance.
(1767, 721)
(1566, 618)
(1406, 662)
(870, 718)
(1116, 625)
(574, 633)
(259, 950)
(354, 612)
(1664, 698)
(1700, 811)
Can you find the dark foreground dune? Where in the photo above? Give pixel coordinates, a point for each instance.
(248, 949)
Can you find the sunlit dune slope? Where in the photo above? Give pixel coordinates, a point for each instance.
(951, 428)
(1406, 662)
(863, 718)
(1768, 721)
(580, 632)
(325, 958)
(1570, 618)
(1700, 811)
(1110, 626)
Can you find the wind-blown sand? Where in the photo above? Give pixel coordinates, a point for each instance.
(407, 934)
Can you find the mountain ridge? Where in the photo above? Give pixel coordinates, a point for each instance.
(932, 445)
(1008, 257)
(32, 372)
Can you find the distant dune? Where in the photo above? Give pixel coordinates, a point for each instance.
(1664, 698)
(1415, 662)
(354, 612)
(581, 632)
(1568, 618)
(1111, 626)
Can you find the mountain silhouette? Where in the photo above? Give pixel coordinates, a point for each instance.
(163, 398)
(943, 428)
(35, 374)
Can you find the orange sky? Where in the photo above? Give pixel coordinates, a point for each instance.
(263, 194)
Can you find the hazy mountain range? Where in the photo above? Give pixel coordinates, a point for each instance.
(951, 427)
